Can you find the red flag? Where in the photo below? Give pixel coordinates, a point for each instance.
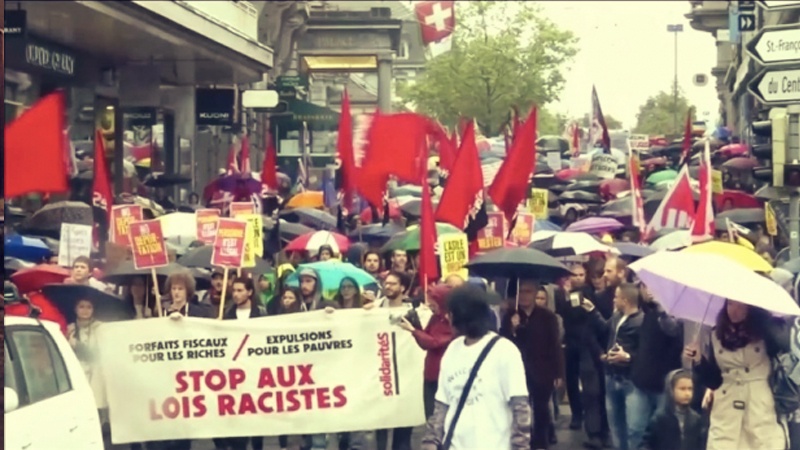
(464, 184)
(686, 148)
(597, 113)
(576, 140)
(344, 147)
(269, 170)
(677, 208)
(515, 122)
(428, 269)
(703, 226)
(34, 149)
(510, 186)
(437, 19)
(394, 142)
(245, 158)
(636, 194)
(231, 166)
(447, 149)
(102, 195)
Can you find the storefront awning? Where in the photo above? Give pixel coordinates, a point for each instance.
(299, 111)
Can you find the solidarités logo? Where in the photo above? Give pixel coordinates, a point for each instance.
(388, 364)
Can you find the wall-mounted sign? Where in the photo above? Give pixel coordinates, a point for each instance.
(141, 116)
(48, 57)
(14, 23)
(214, 107)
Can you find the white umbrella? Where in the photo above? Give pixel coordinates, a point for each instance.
(673, 241)
(179, 228)
(694, 286)
(568, 243)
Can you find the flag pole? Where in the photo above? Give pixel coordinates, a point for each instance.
(156, 290)
(222, 294)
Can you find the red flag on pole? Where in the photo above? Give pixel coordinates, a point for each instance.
(636, 194)
(231, 165)
(510, 186)
(344, 147)
(245, 158)
(269, 170)
(35, 149)
(703, 226)
(686, 148)
(464, 183)
(597, 114)
(428, 268)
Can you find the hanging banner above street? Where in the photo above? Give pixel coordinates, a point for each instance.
(776, 87)
(776, 45)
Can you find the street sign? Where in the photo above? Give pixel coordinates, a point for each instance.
(293, 81)
(747, 22)
(776, 87)
(747, 5)
(779, 4)
(776, 44)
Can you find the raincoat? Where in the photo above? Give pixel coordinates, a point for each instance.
(437, 334)
(665, 431)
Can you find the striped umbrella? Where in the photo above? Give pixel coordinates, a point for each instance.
(311, 242)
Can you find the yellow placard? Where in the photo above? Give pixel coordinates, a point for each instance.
(255, 232)
(716, 182)
(537, 203)
(453, 254)
(249, 257)
(772, 222)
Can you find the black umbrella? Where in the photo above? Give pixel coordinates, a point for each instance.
(290, 230)
(579, 197)
(126, 271)
(48, 220)
(376, 232)
(162, 180)
(413, 208)
(201, 257)
(314, 218)
(633, 250)
(519, 263)
(742, 216)
(591, 186)
(768, 193)
(107, 307)
(619, 207)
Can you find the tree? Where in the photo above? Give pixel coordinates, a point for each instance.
(504, 55)
(611, 122)
(550, 124)
(660, 114)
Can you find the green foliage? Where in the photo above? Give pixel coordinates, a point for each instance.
(550, 124)
(661, 114)
(504, 54)
(611, 122)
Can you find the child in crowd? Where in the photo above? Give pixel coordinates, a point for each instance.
(676, 426)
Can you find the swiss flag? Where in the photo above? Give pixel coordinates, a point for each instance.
(437, 20)
(677, 209)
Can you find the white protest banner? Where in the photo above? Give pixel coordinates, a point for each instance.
(554, 160)
(640, 142)
(76, 240)
(304, 373)
(604, 166)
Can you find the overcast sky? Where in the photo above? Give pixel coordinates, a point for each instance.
(627, 53)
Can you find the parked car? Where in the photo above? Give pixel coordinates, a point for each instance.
(48, 401)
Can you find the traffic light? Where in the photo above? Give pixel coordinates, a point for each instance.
(773, 152)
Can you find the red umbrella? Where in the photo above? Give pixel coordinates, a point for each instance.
(740, 163)
(567, 174)
(32, 279)
(311, 242)
(729, 151)
(48, 310)
(394, 212)
(610, 188)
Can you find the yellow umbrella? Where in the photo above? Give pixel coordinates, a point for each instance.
(735, 252)
(144, 162)
(307, 199)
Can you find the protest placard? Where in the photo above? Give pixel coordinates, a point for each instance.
(207, 222)
(537, 203)
(76, 240)
(604, 165)
(453, 254)
(121, 218)
(523, 230)
(255, 234)
(147, 243)
(493, 235)
(239, 208)
(307, 373)
(716, 182)
(228, 248)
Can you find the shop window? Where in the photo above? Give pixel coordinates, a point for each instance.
(403, 51)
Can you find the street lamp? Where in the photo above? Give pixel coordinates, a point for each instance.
(675, 29)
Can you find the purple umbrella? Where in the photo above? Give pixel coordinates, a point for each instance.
(596, 225)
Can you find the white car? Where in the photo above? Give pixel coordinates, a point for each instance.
(48, 401)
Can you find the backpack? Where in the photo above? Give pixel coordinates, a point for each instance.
(785, 376)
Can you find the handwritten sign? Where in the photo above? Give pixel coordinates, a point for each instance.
(716, 182)
(537, 203)
(522, 232)
(76, 240)
(121, 218)
(604, 166)
(147, 243)
(239, 208)
(228, 248)
(207, 221)
(453, 254)
(493, 234)
(581, 163)
(771, 221)
(639, 142)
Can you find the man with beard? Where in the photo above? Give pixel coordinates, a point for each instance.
(371, 263)
(310, 289)
(615, 273)
(213, 296)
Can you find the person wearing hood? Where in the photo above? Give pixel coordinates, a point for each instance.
(676, 426)
(434, 339)
(310, 289)
(325, 253)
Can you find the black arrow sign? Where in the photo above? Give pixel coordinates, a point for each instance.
(747, 22)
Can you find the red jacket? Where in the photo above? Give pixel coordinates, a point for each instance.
(435, 339)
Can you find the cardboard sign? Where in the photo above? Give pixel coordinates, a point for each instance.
(229, 243)
(249, 255)
(771, 220)
(121, 218)
(239, 208)
(522, 232)
(254, 242)
(76, 240)
(537, 203)
(201, 378)
(604, 166)
(493, 234)
(453, 254)
(581, 163)
(554, 160)
(207, 222)
(639, 142)
(716, 182)
(147, 243)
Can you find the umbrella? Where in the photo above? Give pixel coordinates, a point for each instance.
(409, 239)
(568, 243)
(519, 263)
(592, 186)
(662, 176)
(740, 163)
(413, 207)
(376, 232)
(162, 180)
(633, 250)
(619, 207)
(287, 230)
(107, 307)
(11, 265)
(579, 197)
(694, 286)
(545, 225)
(314, 218)
(29, 249)
(123, 274)
(331, 273)
(609, 189)
(200, 257)
(552, 143)
(49, 218)
(36, 277)
(743, 216)
(394, 212)
(673, 240)
(568, 174)
(307, 199)
(735, 252)
(406, 190)
(595, 225)
(179, 228)
(311, 242)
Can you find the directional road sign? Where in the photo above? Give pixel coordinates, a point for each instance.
(776, 87)
(747, 5)
(779, 4)
(747, 22)
(775, 45)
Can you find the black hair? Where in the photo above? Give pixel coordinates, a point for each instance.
(402, 278)
(469, 308)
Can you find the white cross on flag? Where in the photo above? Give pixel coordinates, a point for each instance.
(437, 19)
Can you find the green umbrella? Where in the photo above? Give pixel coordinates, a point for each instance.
(662, 176)
(409, 239)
